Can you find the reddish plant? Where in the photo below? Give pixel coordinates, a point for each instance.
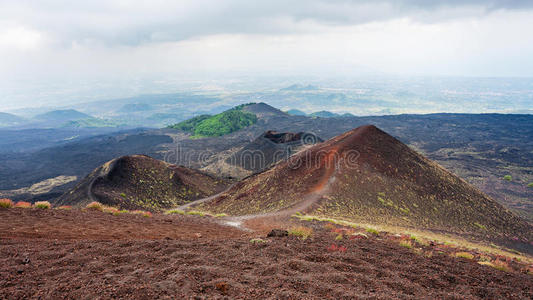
(142, 213)
(23, 204)
(335, 248)
(6, 203)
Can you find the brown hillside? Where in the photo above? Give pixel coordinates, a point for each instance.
(141, 182)
(366, 175)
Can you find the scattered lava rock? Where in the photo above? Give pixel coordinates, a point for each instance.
(278, 233)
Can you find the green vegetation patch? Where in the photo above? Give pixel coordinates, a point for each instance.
(507, 177)
(219, 124)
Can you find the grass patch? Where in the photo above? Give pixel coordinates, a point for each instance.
(466, 255)
(301, 232)
(404, 210)
(480, 226)
(123, 195)
(339, 237)
(496, 265)
(110, 210)
(119, 212)
(6, 203)
(95, 206)
(220, 215)
(530, 185)
(23, 204)
(42, 205)
(372, 231)
(143, 213)
(419, 241)
(195, 213)
(175, 212)
(507, 177)
(406, 244)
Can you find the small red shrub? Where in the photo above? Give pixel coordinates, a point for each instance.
(334, 248)
(23, 204)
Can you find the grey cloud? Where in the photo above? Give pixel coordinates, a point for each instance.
(133, 23)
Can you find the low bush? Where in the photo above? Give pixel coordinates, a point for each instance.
(466, 255)
(195, 213)
(6, 203)
(507, 177)
(480, 226)
(174, 211)
(110, 210)
(119, 212)
(372, 230)
(95, 206)
(406, 244)
(65, 207)
(23, 204)
(142, 213)
(499, 265)
(335, 248)
(301, 232)
(42, 205)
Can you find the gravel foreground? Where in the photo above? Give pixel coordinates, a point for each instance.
(44, 255)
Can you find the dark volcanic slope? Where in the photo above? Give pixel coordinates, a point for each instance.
(368, 176)
(141, 182)
(269, 148)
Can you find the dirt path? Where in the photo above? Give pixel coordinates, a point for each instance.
(199, 201)
(277, 218)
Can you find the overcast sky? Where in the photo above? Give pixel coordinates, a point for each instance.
(52, 41)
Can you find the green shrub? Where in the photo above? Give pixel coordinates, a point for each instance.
(406, 244)
(220, 215)
(530, 185)
(119, 212)
(6, 203)
(195, 213)
(466, 255)
(123, 195)
(142, 213)
(175, 211)
(42, 204)
(480, 226)
(372, 230)
(507, 177)
(95, 206)
(301, 232)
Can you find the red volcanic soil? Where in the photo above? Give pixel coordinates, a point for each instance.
(55, 254)
(367, 176)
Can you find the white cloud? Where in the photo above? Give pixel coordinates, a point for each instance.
(56, 40)
(20, 38)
